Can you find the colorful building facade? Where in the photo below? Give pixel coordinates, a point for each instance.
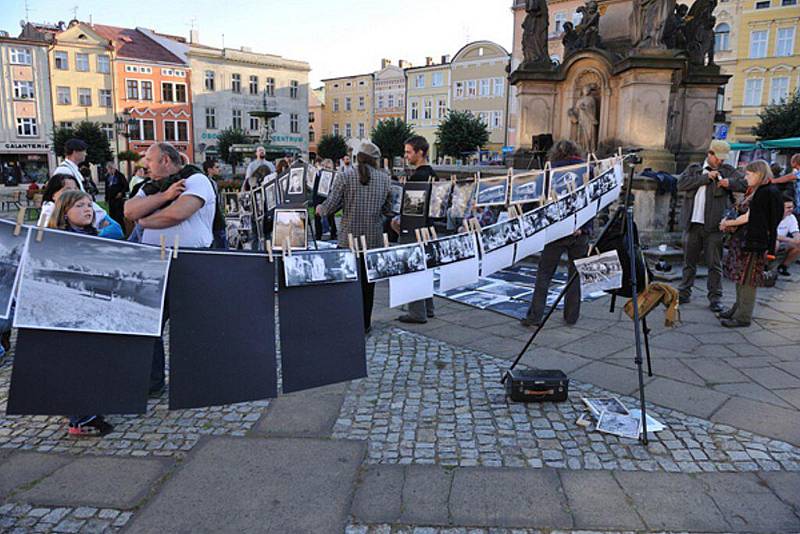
(349, 107)
(428, 99)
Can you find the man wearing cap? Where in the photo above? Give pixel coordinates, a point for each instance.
(75, 154)
(707, 191)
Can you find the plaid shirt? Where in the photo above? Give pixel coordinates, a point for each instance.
(363, 206)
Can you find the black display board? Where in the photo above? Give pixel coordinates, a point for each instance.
(410, 221)
(222, 329)
(78, 373)
(322, 335)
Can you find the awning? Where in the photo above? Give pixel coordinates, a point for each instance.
(790, 142)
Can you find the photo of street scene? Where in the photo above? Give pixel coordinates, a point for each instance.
(450, 250)
(383, 263)
(528, 187)
(492, 191)
(500, 235)
(330, 266)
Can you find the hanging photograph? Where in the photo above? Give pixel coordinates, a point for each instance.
(311, 174)
(501, 234)
(581, 198)
(283, 186)
(269, 193)
(396, 192)
(602, 272)
(602, 166)
(291, 226)
(492, 191)
(245, 202)
(414, 202)
(450, 250)
(325, 182)
(394, 261)
(565, 179)
(461, 201)
(552, 213)
(82, 283)
(568, 204)
(258, 203)
(440, 200)
(231, 200)
(12, 248)
(535, 221)
(309, 268)
(528, 187)
(296, 175)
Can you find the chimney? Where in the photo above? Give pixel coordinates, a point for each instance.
(445, 59)
(428, 61)
(385, 63)
(404, 64)
(194, 36)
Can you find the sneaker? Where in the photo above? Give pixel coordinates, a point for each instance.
(783, 270)
(733, 323)
(95, 428)
(103, 426)
(727, 314)
(716, 307)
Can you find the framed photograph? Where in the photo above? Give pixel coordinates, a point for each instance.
(625, 426)
(12, 249)
(231, 200)
(271, 196)
(564, 180)
(440, 200)
(283, 188)
(258, 203)
(245, 202)
(82, 283)
(384, 263)
(396, 192)
(598, 405)
(534, 221)
(528, 187)
(501, 234)
(291, 226)
(450, 250)
(325, 183)
(414, 202)
(296, 176)
(317, 267)
(311, 174)
(602, 272)
(461, 200)
(492, 191)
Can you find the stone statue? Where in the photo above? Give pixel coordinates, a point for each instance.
(584, 115)
(571, 40)
(700, 32)
(648, 22)
(675, 29)
(534, 33)
(589, 28)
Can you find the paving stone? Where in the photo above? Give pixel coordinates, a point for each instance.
(23, 468)
(615, 378)
(786, 486)
(750, 390)
(379, 495)
(715, 370)
(598, 345)
(590, 511)
(770, 377)
(762, 418)
(748, 505)
(694, 400)
(425, 495)
(301, 485)
(310, 413)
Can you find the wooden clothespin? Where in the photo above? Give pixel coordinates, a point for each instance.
(269, 250)
(466, 225)
(175, 248)
(418, 234)
(453, 178)
(163, 247)
(352, 244)
(385, 163)
(426, 235)
(385, 241)
(433, 233)
(364, 244)
(20, 220)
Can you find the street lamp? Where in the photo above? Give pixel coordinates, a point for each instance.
(124, 124)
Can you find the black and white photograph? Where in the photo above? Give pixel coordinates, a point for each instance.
(598, 405)
(581, 198)
(508, 290)
(534, 221)
(311, 174)
(245, 202)
(440, 199)
(296, 175)
(492, 191)
(231, 200)
(479, 299)
(527, 187)
(625, 426)
(512, 308)
(450, 250)
(552, 212)
(568, 204)
(461, 199)
(258, 203)
(328, 267)
(565, 179)
(291, 226)
(414, 202)
(283, 188)
(501, 234)
(396, 192)
(325, 182)
(602, 166)
(383, 263)
(90, 284)
(12, 248)
(602, 272)
(271, 198)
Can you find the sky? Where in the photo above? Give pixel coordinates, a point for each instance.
(337, 37)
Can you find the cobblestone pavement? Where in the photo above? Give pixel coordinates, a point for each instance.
(23, 518)
(428, 402)
(406, 529)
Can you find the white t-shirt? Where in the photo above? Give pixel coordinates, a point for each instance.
(197, 230)
(68, 167)
(788, 226)
(699, 208)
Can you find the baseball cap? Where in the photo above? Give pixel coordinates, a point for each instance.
(720, 148)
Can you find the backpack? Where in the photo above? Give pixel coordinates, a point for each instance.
(616, 238)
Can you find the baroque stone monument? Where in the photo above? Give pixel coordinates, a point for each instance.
(635, 73)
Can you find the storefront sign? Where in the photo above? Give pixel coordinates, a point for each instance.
(207, 135)
(287, 138)
(25, 147)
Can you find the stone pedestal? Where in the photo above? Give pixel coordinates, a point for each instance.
(652, 212)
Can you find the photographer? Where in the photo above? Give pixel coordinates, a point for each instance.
(707, 191)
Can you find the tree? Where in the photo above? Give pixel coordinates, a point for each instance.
(129, 155)
(461, 132)
(90, 133)
(332, 146)
(390, 136)
(779, 121)
(227, 138)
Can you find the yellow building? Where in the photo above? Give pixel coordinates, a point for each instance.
(428, 99)
(82, 80)
(348, 109)
(768, 65)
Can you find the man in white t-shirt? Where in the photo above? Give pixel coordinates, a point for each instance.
(253, 166)
(74, 154)
(185, 208)
(788, 238)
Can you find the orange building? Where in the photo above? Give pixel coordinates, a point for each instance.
(152, 88)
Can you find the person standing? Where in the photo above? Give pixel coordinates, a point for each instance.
(575, 246)
(138, 178)
(416, 152)
(364, 198)
(707, 191)
(253, 166)
(74, 155)
(346, 165)
(116, 189)
(756, 234)
(788, 238)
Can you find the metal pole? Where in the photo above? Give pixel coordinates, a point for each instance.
(636, 324)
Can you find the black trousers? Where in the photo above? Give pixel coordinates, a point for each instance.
(318, 226)
(576, 247)
(367, 294)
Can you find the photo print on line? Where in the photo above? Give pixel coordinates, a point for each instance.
(231, 200)
(12, 249)
(440, 199)
(396, 197)
(501, 234)
(565, 179)
(290, 225)
(450, 250)
(394, 261)
(462, 197)
(414, 203)
(311, 268)
(527, 187)
(492, 191)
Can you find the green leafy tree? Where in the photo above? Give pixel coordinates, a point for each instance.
(90, 133)
(779, 121)
(390, 135)
(227, 138)
(461, 132)
(332, 146)
(129, 155)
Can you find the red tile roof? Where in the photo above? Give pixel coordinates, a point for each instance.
(133, 44)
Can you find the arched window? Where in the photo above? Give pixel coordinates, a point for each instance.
(722, 35)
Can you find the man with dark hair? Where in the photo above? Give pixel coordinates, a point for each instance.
(211, 168)
(75, 154)
(116, 187)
